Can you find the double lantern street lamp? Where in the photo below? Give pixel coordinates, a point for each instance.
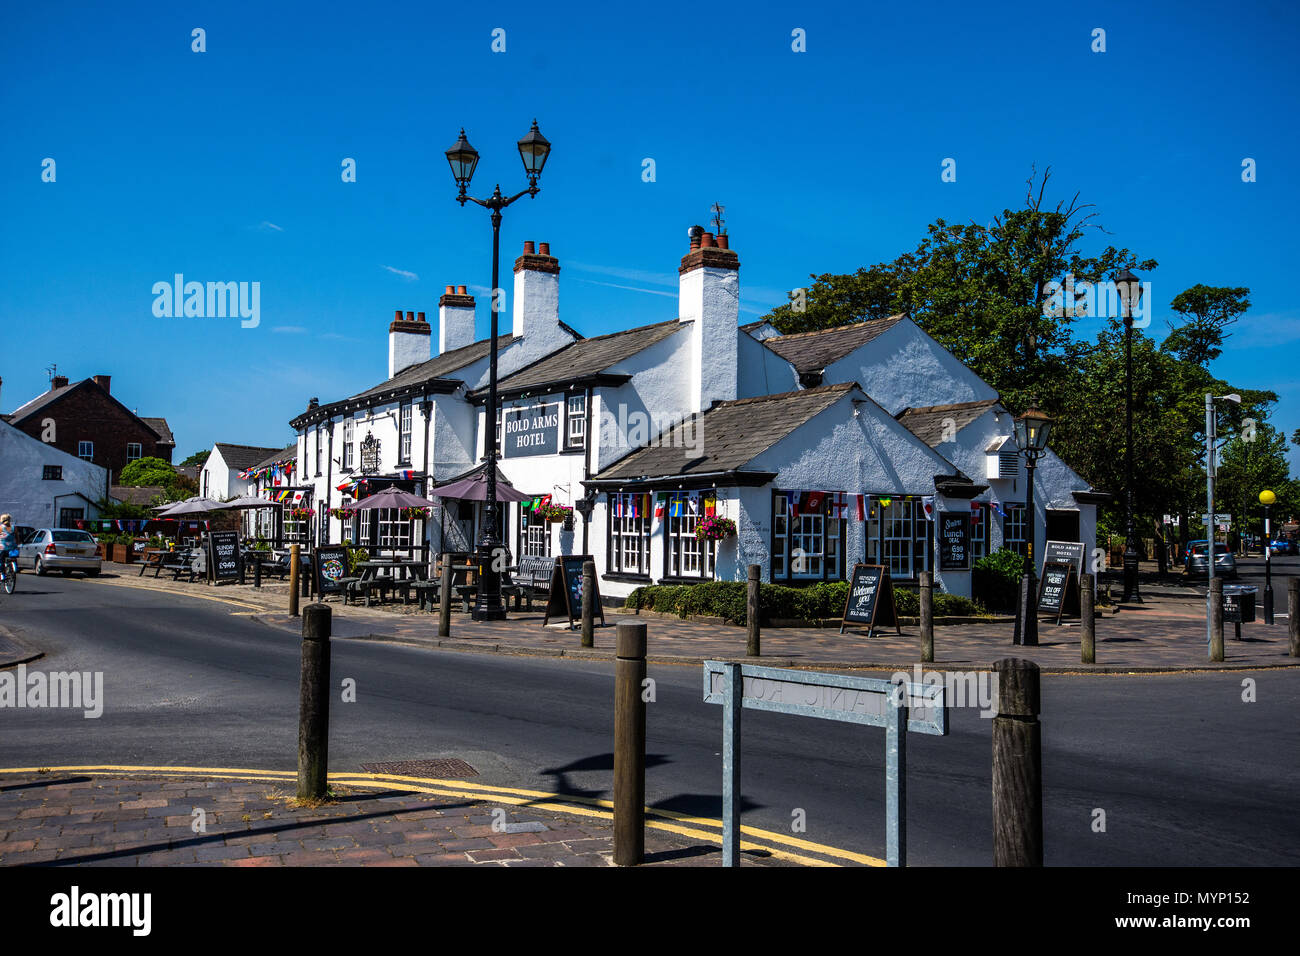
(534, 148)
(1130, 293)
(1031, 429)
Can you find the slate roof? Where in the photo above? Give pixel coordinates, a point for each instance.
(588, 357)
(927, 422)
(135, 494)
(164, 431)
(239, 457)
(730, 434)
(813, 351)
(284, 454)
(440, 366)
(39, 402)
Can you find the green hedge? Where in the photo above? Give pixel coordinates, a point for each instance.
(727, 599)
(995, 579)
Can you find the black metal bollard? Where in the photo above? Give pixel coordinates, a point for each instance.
(629, 744)
(257, 571)
(314, 703)
(1017, 766)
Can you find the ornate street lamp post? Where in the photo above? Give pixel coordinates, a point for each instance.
(1130, 294)
(1266, 498)
(1032, 429)
(533, 150)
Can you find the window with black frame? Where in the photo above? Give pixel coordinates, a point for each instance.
(685, 555)
(807, 536)
(629, 534)
(1013, 529)
(349, 433)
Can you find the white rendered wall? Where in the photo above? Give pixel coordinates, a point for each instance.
(33, 501)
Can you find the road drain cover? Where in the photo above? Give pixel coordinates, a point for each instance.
(444, 767)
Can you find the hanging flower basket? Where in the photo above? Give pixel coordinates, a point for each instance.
(415, 514)
(556, 513)
(344, 514)
(301, 514)
(715, 529)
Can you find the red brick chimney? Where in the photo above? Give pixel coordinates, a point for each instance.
(102, 381)
(59, 381)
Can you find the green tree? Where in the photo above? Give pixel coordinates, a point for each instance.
(148, 471)
(199, 458)
(1206, 311)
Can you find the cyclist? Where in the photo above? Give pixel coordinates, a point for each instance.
(8, 544)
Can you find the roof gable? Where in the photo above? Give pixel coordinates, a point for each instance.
(240, 457)
(56, 395)
(813, 351)
(587, 357)
(930, 423)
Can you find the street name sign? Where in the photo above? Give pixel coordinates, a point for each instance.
(899, 707)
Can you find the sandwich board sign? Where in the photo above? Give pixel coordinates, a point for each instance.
(331, 566)
(565, 599)
(899, 707)
(871, 599)
(223, 555)
(1058, 591)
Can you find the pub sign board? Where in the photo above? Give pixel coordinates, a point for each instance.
(954, 541)
(331, 566)
(1058, 591)
(1065, 552)
(531, 429)
(565, 599)
(871, 599)
(223, 555)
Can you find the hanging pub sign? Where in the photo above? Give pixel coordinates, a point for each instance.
(532, 428)
(566, 591)
(1058, 591)
(369, 454)
(331, 567)
(223, 555)
(954, 541)
(871, 599)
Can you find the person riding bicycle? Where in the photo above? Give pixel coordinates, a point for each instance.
(8, 543)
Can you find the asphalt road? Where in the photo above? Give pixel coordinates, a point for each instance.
(1184, 770)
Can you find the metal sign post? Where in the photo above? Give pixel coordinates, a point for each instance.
(873, 701)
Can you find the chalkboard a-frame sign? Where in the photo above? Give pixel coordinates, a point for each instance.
(330, 566)
(871, 599)
(1058, 591)
(565, 599)
(223, 555)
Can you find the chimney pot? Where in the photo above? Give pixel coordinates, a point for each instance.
(706, 241)
(460, 290)
(410, 317)
(544, 248)
(420, 316)
(451, 290)
(528, 247)
(723, 241)
(397, 315)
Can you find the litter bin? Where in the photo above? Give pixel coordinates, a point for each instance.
(1239, 603)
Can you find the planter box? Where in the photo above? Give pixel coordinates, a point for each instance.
(123, 553)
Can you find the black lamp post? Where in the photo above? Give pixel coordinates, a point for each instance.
(1266, 498)
(1130, 293)
(1032, 429)
(533, 150)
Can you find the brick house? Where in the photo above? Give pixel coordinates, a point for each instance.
(86, 421)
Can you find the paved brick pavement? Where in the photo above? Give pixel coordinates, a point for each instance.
(75, 819)
(1166, 633)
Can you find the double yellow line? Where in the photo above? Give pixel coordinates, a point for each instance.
(707, 829)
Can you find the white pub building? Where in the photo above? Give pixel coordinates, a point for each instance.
(853, 444)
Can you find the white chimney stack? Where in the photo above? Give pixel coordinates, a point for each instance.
(709, 298)
(536, 308)
(408, 341)
(455, 319)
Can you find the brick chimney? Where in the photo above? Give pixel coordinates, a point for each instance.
(536, 307)
(455, 319)
(709, 298)
(408, 341)
(102, 381)
(58, 381)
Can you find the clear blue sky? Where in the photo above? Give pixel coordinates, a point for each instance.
(225, 166)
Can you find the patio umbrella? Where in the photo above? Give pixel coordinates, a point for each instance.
(390, 497)
(474, 488)
(191, 506)
(249, 501)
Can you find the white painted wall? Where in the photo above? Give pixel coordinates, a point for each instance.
(33, 501)
(760, 371)
(709, 299)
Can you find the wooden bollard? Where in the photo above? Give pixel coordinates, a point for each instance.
(293, 580)
(1216, 619)
(1088, 617)
(753, 634)
(588, 604)
(629, 744)
(314, 703)
(1293, 615)
(926, 600)
(257, 570)
(444, 598)
(1017, 766)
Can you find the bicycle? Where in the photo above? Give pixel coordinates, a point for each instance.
(9, 572)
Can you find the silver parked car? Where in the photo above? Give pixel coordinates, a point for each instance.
(1198, 554)
(60, 549)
